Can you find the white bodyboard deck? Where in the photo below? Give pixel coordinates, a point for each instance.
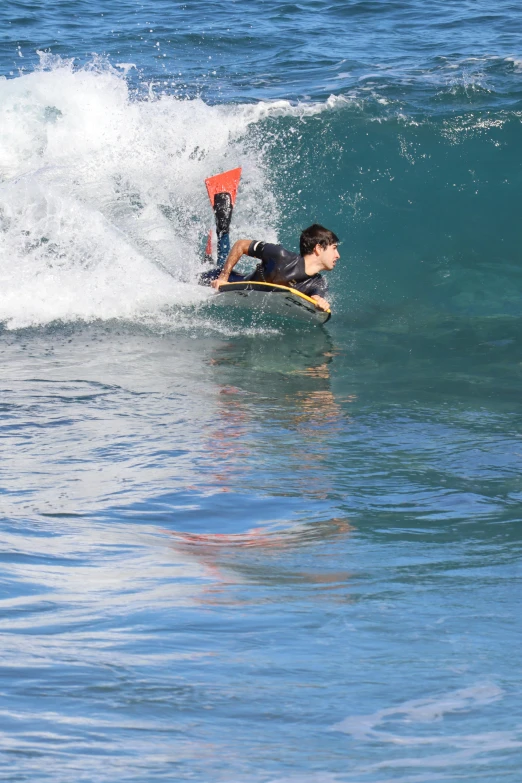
(272, 299)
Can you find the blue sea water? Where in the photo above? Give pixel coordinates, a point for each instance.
(233, 549)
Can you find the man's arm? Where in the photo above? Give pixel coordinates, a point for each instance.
(320, 291)
(239, 248)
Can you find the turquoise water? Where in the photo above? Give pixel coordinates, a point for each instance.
(234, 550)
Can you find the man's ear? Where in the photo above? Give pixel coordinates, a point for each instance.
(317, 249)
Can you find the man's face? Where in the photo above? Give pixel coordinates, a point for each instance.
(328, 256)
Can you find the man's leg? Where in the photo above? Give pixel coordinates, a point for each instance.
(223, 215)
(223, 249)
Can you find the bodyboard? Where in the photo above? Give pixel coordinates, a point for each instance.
(277, 300)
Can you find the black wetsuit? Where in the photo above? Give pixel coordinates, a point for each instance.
(278, 266)
(281, 267)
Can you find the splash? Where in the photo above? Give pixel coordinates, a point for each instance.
(102, 204)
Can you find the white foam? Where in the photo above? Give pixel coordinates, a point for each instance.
(103, 210)
(419, 711)
(517, 63)
(444, 748)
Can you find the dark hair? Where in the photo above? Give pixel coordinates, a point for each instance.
(316, 235)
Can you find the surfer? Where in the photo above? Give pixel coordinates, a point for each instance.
(302, 271)
(318, 253)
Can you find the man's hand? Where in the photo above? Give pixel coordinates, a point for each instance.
(218, 281)
(321, 303)
(239, 249)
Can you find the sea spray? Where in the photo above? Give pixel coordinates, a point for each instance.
(102, 200)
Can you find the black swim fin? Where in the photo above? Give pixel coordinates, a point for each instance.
(223, 208)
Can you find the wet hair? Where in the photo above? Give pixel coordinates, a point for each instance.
(316, 235)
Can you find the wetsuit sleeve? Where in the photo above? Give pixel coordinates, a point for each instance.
(264, 250)
(315, 286)
(255, 248)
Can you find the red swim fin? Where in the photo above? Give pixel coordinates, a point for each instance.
(225, 186)
(227, 182)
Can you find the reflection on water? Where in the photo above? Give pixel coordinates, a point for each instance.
(218, 540)
(276, 389)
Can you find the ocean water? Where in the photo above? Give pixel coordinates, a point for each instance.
(234, 549)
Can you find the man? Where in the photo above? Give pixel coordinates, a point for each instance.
(318, 253)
